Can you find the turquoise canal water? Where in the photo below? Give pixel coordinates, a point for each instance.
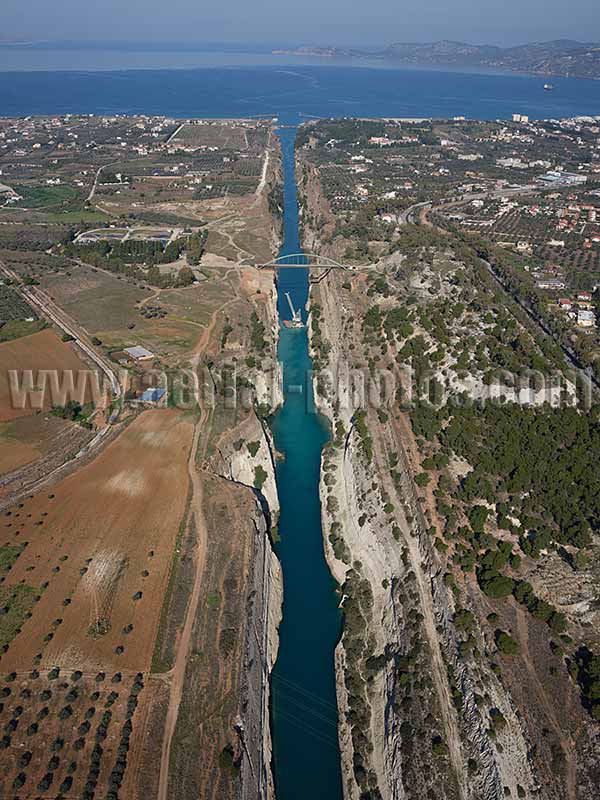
(306, 755)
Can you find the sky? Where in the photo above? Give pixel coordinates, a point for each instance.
(272, 22)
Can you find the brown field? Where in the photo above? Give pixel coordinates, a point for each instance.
(26, 439)
(87, 547)
(43, 350)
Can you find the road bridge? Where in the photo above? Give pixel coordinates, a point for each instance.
(309, 261)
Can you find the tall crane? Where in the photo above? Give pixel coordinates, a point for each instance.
(296, 321)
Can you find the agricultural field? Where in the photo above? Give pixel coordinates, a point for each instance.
(101, 577)
(17, 318)
(211, 134)
(116, 311)
(38, 197)
(67, 733)
(29, 433)
(209, 706)
(43, 350)
(25, 439)
(99, 301)
(81, 598)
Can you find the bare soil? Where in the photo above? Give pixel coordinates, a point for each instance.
(101, 538)
(40, 351)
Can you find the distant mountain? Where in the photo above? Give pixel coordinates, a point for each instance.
(559, 57)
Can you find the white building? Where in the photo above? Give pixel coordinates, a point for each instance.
(586, 319)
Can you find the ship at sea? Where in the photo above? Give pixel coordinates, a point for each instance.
(296, 320)
(548, 87)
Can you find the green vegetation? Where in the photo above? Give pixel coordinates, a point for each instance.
(506, 644)
(511, 446)
(260, 477)
(317, 340)
(128, 257)
(14, 313)
(227, 760)
(16, 603)
(253, 448)
(74, 412)
(45, 196)
(360, 425)
(587, 670)
(8, 556)
(15, 329)
(257, 334)
(361, 665)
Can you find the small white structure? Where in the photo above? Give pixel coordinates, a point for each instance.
(586, 319)
(139, 353)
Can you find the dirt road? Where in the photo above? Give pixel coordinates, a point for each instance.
(547, 704)
(183, 645)
(438, 666)
(196, 514)
(265, 169)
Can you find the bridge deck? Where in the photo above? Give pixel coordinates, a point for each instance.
(303, 261)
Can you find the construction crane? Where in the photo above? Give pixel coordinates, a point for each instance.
(296, 320)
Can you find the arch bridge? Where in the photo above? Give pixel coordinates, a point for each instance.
(304, 261)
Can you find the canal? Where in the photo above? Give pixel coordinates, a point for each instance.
(306, 757)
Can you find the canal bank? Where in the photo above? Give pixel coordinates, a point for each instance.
(306, 756)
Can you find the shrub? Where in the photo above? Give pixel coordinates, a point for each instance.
(227, 760)
(19, 780)
(438, 746)
(493, 584)
(260, 477)
(253, 448)
(46, 782)
(506, 644)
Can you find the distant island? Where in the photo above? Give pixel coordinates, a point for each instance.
(562, 57)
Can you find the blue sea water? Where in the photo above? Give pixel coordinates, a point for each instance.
(298, 90)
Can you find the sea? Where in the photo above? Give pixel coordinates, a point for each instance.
(185, 82)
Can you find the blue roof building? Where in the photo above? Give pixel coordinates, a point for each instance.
(153, 395)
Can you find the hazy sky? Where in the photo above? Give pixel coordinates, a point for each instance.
(303, 21)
